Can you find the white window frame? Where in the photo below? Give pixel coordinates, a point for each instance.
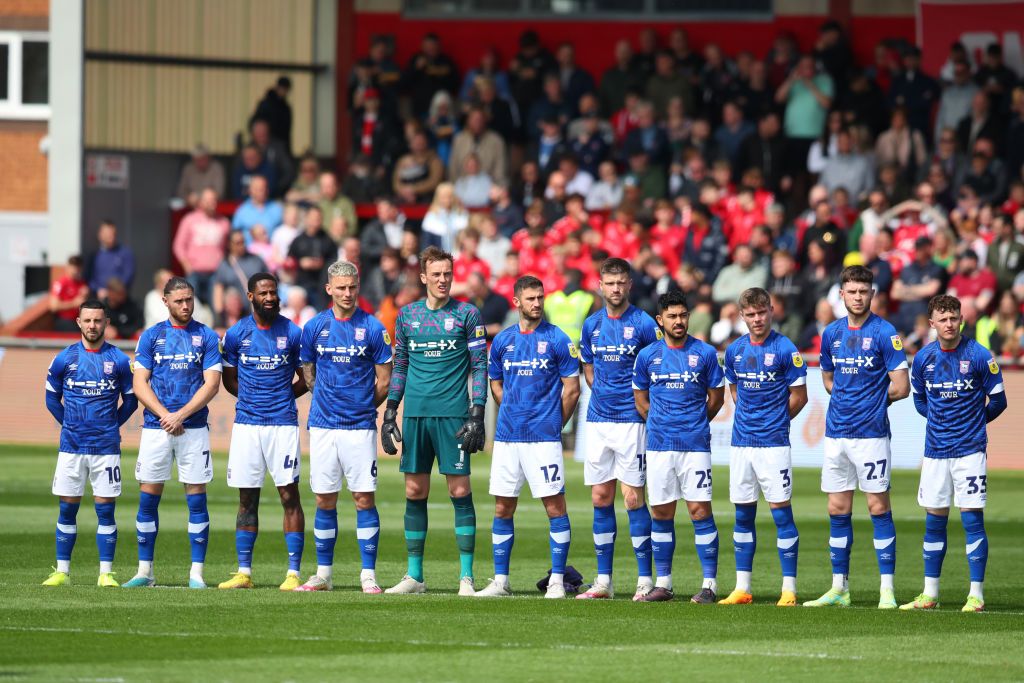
(12, 107)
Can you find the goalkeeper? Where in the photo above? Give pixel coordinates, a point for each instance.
(438, 343)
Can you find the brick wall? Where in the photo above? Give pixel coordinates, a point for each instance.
(22, 166)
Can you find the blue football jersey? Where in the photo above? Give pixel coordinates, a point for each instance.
(861, 359)
(678, 379)
(955, 385)
(177, 357)
(266, 359)
(90, 384)
(531, 366)
(611, 345)
(346, 353)
(763, 374)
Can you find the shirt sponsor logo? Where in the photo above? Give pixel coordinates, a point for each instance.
(693, 360)
(897, 343)
(449, 324)
(282, 343)
(197, 340)
(965, 367)
(108, 367)
(627, 332)
(865, 343)
(360, 334)
(769, 359)
(542, 347)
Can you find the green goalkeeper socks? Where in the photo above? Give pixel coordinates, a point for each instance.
(415, 535)
(465, 533)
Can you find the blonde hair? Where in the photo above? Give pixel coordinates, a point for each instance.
(450, 189)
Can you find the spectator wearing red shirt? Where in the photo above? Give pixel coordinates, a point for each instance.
(741, 218)
(576, 218)
(466, 263)
(622, 237)
(506, 283)
(579, 256)
(666, 237)
(66, 294)
(534, 256)
(972, 284)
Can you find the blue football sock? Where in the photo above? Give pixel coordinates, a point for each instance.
(106, 531)
(977, 543)
(663, 543)
(885, 542)
(198, 525)
(640, 535)
(788, 540)
(559, 542)
(705, 538)
(147, 523)
(325, 536)
(368, 535)
(744, 537)
(934, 546)
(294, 541)
(604, 537)
(503, 536)
(840, 542)
(67, 530)
(244, 542)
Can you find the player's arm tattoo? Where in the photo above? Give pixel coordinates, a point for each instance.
(248, 509)
(309, 374)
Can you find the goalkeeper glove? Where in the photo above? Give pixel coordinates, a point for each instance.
(389, 432)
(471, 435)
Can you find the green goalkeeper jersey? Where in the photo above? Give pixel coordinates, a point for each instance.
(435, 353)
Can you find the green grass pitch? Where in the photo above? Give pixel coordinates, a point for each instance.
(82, 633)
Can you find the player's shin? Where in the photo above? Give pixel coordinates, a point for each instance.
(977, 549)
(368, 535)
(885, 547)
(295, 542)
(604, 542)
(705, 538)
(788, 543)
(640, 535)
(106, 535)
(147, 524)
(198, 532)
(663, 542)
(325, 535)
(415, 536)
(744, 537)
(933, 551)
(840, 542)
(558, 541)
(465, 532)
(503, 537)
(66, 535)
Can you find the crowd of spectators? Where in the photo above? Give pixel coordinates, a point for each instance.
(708, 172)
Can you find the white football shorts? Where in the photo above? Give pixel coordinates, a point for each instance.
(959, 481)
(615, 450)
(102, 471)
(157, 449)
(850, 463)
(678, 475)
(754, 470)
(258, 449)
(338, 453)
(541, 464)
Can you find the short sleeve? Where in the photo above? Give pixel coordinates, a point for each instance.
(586, 352)
(380, 342)
(568, 357)
(307, 343)
(294, 343)
(713, 371)
(649, 330)
(796, 368)
(211, 351)
(229, 352)
(144, 350)
(892, 350)
(730, 371)
(494, 370)
(641, 378)
(124, 374)
(55, 375)
(993, 375)
(917, 384)
(825, 361)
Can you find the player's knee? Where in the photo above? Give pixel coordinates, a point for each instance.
(555, 506)
(192, 489)
(415, 490)
(364, 500)
(878, 505)
(289, 496)
(505, 508)
(699, 511)
(632, 497)
(602, 495)
(459, 488)
(327, 501)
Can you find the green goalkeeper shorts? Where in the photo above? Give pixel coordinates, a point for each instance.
(426, 438)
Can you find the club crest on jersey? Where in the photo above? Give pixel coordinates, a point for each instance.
(769, 360)
(197, 340)
(542, 347)
(449, 324)
(865, 343)
(282, 343)
(693, 360)
(360, 334)
(965, 367)
(897, 343)
(108, 367)
(627, 332)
